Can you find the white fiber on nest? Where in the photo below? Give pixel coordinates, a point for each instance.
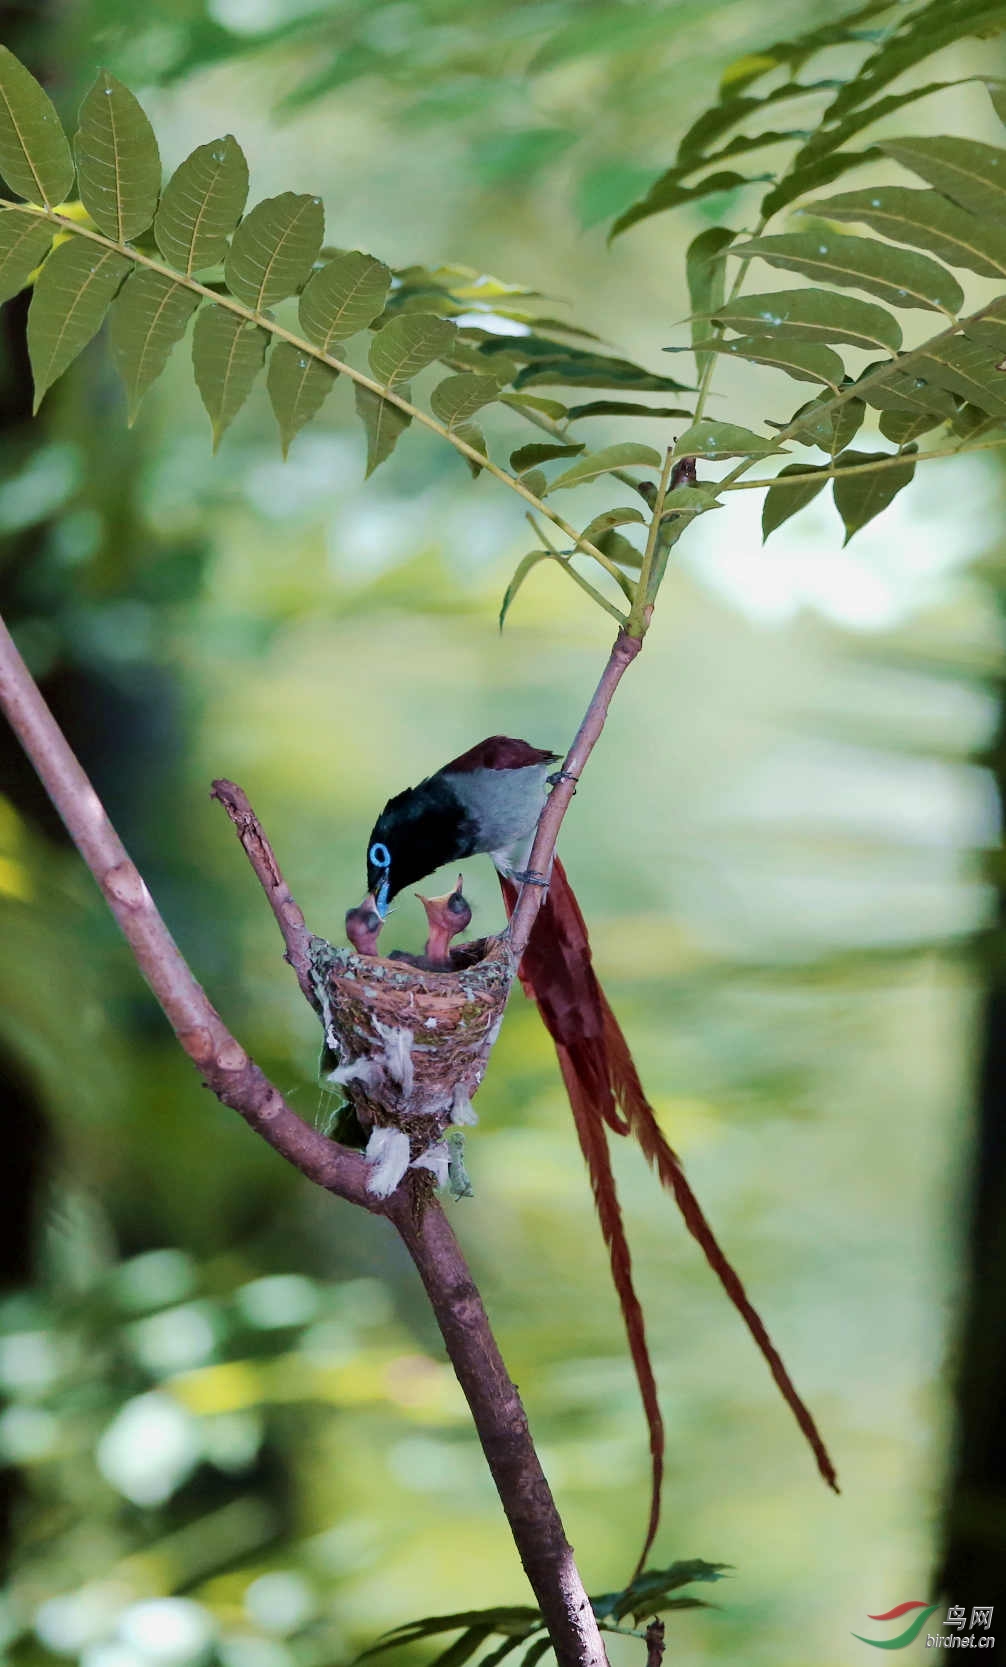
(397, 1054)
(462, 1110)
(388, 1153)
(358, 1070)
(436, 1158)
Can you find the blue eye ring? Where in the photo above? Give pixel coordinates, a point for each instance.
(379, 855)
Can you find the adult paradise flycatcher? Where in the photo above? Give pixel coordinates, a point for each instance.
(489, 800)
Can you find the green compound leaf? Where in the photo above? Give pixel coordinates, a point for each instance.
(971, 424)
(899, 276)
(804, 361)
(901, 391)
(543, 451)
(71, 298)
(620, 408)
(997, 97)
(383, 422)
(274, 248)
(668, 192)
(649, 1592)
(713, 439)
(812, 315)
(968, 173)
(970, 370)
(610, 457)
(859, 498)
(926, 221)
(553, 408)
(407, 345)
(202, 203)
(609, 518)
(227, 355)
(783, 501)
(551, 361)
(616, 548)
(24, 242)
(930, 28)
(991, 326)
(150, 315)
(463, 356)
(828, 426)
(343, 297)
(901, 426)
(35, 157)
(831, 136)
(813, 175)
(118, 163)
(536, 482)
(691, 500)
(706, 273)
(463, 1648)
(473, 436)
(457, 398)
(298, 386)
(526, 565)
(520, 1622)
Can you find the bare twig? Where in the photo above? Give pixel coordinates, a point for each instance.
(238, 1082)
(289, 914)
(529, 902)
(654, 1643)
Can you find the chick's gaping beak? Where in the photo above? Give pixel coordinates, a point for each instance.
(363, 926)
(447, 916)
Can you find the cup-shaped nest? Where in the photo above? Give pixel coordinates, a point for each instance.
(412, 1044)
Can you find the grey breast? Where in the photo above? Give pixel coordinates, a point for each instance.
(505, 803)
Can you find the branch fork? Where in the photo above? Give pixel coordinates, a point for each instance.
(225, 1067)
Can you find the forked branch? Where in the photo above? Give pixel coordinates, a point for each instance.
(224, 1066)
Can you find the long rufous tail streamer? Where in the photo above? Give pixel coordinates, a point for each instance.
(605, 1093)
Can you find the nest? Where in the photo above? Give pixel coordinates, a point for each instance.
(412, 1044)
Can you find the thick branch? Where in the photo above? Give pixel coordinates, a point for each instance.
(226, 1068)
(502, 1428)
(217, 1055)
(529, 902)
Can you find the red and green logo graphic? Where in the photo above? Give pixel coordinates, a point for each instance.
(911, 1631)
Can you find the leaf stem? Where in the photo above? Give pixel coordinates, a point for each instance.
(708, 373)
(565, 562)
(891, 462)
(639, 614)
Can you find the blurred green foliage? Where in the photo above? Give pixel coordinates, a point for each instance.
(235, 1436)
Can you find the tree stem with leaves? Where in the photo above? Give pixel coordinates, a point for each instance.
(532, 893)
(68, 224)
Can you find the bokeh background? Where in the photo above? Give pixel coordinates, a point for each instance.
(230, 1432)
